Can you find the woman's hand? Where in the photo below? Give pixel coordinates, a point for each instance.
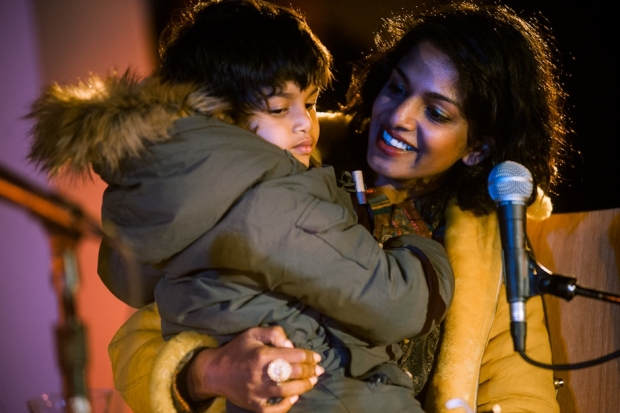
(238, 371)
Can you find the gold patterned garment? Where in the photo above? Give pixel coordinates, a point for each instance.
(392, 220)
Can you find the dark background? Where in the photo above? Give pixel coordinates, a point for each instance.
(586, 37)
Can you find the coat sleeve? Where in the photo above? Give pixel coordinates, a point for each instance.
(331, 263)
(145, 366)
(508, 380)
(287, 240)
(115, 265)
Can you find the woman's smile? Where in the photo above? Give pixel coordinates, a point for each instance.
(393, 142)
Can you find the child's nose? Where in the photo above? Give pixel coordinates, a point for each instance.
(303, 121)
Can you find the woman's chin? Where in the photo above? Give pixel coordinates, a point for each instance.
(385, 168)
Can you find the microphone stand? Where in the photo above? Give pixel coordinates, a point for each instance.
(543, 281)
(65, 224)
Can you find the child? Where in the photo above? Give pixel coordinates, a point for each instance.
(234, 231)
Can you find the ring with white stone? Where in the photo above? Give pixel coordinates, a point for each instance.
(279, 371)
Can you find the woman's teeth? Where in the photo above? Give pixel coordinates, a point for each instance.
(391, 141)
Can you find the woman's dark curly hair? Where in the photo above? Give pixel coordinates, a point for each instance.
(508, 79)
(238, 49)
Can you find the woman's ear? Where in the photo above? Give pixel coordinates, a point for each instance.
(476, 156)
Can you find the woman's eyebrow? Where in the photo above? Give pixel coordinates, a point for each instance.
(434, 95)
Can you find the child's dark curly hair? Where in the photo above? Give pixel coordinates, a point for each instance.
(242, 51)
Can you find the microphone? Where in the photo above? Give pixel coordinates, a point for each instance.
(510, 186)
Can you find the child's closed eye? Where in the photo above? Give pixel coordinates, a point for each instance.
(277, 111)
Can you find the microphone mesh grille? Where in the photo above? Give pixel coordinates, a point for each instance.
(510, 181)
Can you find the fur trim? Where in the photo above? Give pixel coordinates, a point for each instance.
(473, 247)
(166, 366)
(103, 121)
(541, 208)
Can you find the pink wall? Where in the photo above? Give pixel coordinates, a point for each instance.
(45, 41)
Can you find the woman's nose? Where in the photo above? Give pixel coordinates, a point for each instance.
(403, 115)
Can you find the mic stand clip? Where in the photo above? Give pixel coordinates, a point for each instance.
(543, 281)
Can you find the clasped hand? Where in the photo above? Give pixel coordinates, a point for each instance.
(238, 371)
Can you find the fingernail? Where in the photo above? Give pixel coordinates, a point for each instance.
(289, 344)
(319, 370)
(313, 380)
(293, 399)
(317, 357)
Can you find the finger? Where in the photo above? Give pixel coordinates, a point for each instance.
(296, 387)
(281, 398)
(302, 371)
(279, 338)
(288, 388)
(274, 336)
(281, 406)
(298, 356)
(303, 362)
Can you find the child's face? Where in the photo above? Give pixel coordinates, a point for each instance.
(289, 121)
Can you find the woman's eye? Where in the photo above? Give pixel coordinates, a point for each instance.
(397, 89)
(437, 115)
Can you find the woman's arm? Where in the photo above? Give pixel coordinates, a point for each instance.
(146, 368)
(508, 380)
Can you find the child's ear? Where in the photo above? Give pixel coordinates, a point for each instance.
(476, 156)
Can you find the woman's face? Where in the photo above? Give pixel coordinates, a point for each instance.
(417, 127)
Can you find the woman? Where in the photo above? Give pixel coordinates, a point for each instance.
(451, 94)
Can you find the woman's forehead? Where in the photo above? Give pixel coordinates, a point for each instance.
(427, 66)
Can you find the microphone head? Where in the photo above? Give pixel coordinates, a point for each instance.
(510, 182)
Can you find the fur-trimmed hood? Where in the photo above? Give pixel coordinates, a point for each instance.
(100, 122)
